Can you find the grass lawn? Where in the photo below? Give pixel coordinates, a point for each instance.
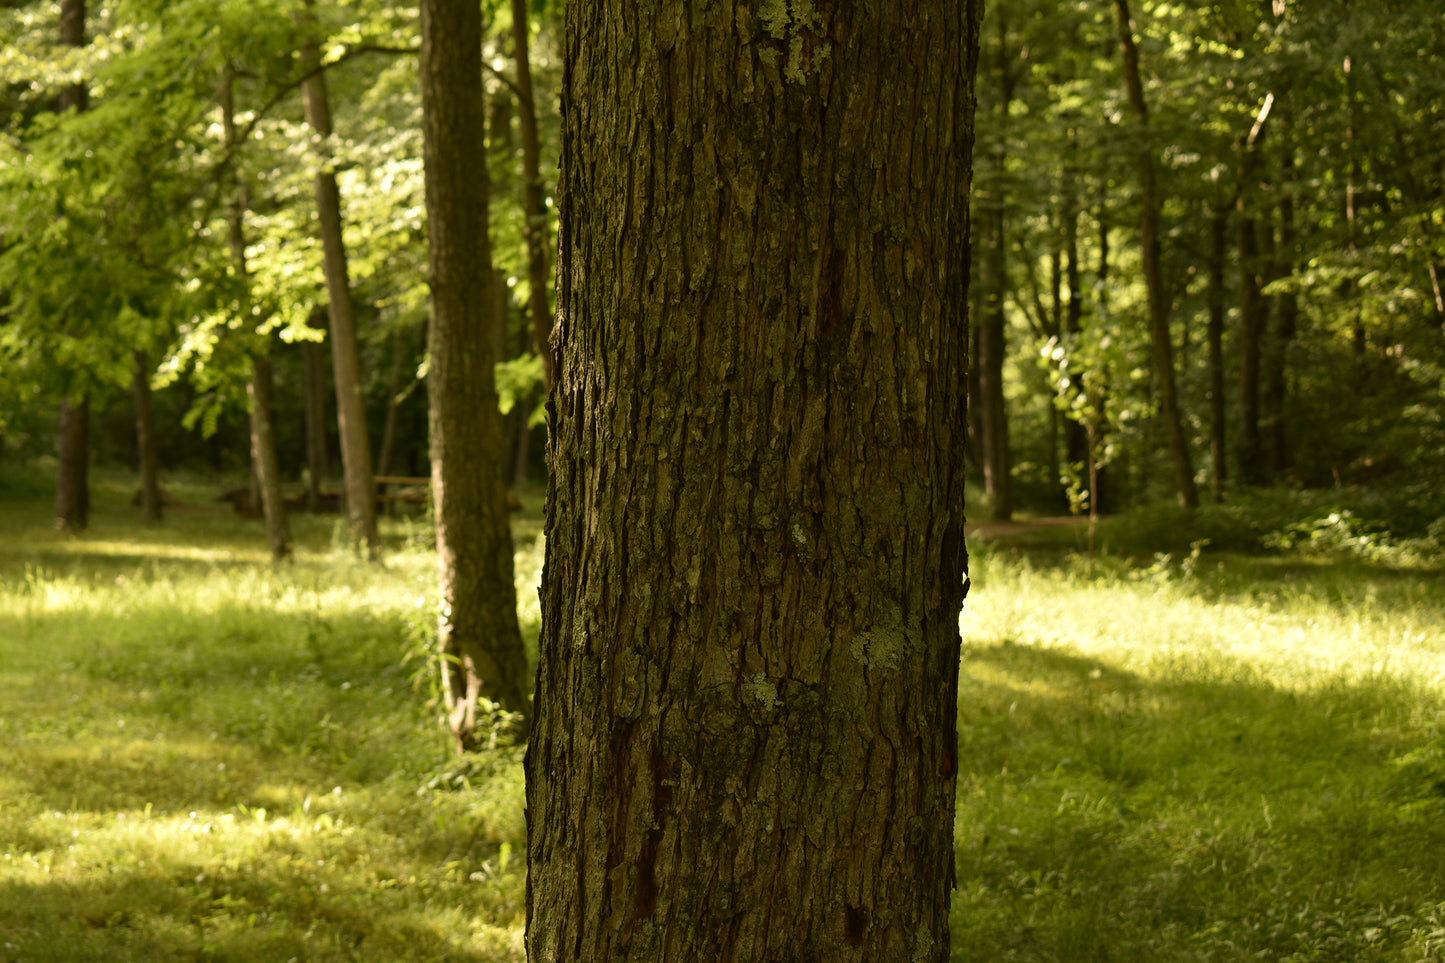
(203, 758)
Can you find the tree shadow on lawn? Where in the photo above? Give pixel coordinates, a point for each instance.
(273, 909)
(1103, 816)
(257, 722)
(1270, 580)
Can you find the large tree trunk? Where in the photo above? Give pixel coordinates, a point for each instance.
(313, 386)
(536, 230)
(745, 744)
(480, 643)
(72, 471)
(145, 438)
(265, 466)
(1159, 307)
(345, 353)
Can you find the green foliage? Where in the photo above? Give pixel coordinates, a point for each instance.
(114, 226)
(1364, 367)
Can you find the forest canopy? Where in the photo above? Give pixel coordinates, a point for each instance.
(1286, 156)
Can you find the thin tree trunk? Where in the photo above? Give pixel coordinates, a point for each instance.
(1101, 494)
(1352, 182)
(72, 470)
(72, 34)
(145, 438)
(72, 473)
(745, 745)
(1159, 307)
(1253, 313)
(1076, 440)
(1056, 328)
(263, 455)
(993, 414)
(535, 232)
(1283, 321)
(1214, 335)
(393, 407)
(264, 463)
(313, 383)
(345, 353)
(482, 658)
(992, 343)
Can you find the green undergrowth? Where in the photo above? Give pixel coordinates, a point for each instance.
(1185, 756)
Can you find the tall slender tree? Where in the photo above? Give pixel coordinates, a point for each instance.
(482, 659)
(72, 479)
(992, 323)
(345, 352)
(313, 389)
(147, 447)
(745, 744)
(266, 466)
(1149, 240)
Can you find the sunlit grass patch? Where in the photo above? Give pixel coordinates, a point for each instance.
(1172, 762)
(205, 756)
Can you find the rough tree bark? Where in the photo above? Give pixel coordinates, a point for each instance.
(146, 445)
(345, 353)
(480, 643)
(745, 743)
(1159, 307)
(72, 468)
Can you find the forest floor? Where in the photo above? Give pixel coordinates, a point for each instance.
(1186, 755)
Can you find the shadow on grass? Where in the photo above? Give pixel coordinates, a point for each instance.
(277, 910)
(1106, 817)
